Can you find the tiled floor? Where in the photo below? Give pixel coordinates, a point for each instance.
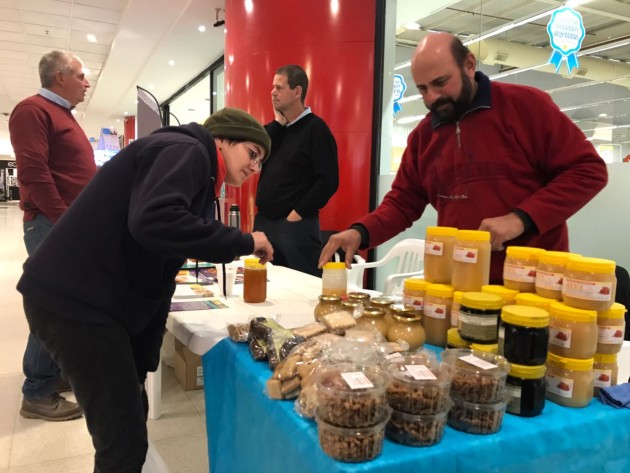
(35, 446)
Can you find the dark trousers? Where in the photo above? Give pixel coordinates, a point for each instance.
(40, 370)
(98, 361)
(296, 245)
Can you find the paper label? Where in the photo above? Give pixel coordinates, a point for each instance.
(514, 394)
(610, 334)
(478, 362)
(560, 336)
(465, 255)
(519, 272)
(473, 320)
(589, 290)
(199, 376)
(435, 248)
(549, 280)
(454, 318)
(394, 357)
(563, 387)
(420, 372)
(603, 378)
(501, 332)
(357, 380)
(437, 311)
(415, 301)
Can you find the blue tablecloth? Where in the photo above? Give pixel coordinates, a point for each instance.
(250, 433)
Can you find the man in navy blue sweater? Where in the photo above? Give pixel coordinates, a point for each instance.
(302, 174)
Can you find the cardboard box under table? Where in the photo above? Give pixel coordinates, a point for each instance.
(188, 369)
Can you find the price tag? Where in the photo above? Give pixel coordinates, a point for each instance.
(420, 372)
(478, 362)
(357, 380)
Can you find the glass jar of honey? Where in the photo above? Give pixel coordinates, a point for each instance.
(374, 317)
(355, 308)
(533, 300)
(572, 332)
(508, 296)
(254, 281)
(437, 310)
(589, 283)
(406, 327)
(438, 254)
(362, 297)
(326, 305)
(611, 327)
(479, 317)
(550, 273)
(605, 371)
(569, 382)
(334, 279)
(471, 260)
(519, 269)
(383, 303)
(414, 292)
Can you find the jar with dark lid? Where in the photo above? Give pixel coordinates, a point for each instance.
(453, 340)
(507, 295)
(479, 317)
(524, 334)
(572, 332)
(374, 317)
(437, 311)
(525, 386)
(519, 269)
(611, 327)
(362, 297)
(605, 371)
(355, 308)
(406, 327)
(569, 382)
(326, 305)
(438, 254)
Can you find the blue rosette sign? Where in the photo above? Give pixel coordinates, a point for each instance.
(399, 91)
(566, 32)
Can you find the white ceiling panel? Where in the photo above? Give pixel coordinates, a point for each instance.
(12, 37)
(45, 19)
(47, 31)
(104, 15)
(47, 6)
(118, 5)
(97, 28)
(9, 14)
(15, 55)
(82, 46)
(14, 26)
(48, 42)
(11, 46)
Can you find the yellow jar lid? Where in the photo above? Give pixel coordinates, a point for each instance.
(525, 316)
(334, 265)
(527, 372)
(616, 311)
(564, 312)
(523, 252)
(507, 295)
(570, 363)
(457, 296)
(253, 263)
(476, 235)
(591, 265)
(416, 284)
(533, 300)
(441, 231)
(486, 347)
(439, 290)
(481, 301)
(605, 357)
(556, 257)
(453, 338)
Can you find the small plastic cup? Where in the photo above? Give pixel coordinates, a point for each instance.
(416, 430)
(476, 418)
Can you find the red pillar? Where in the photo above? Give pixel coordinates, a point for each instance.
(129, 130)
(334, 42)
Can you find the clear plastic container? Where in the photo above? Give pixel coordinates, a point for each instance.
(477, 376)
(533, 300)
(589, 283)
(525, 386)
(416, 430)
(524, 334)
(374, 317)
(479, 317)
(457, 301)
(605, 371)
(519, 269)
(476, 418)
(438, 254)
(569, 382)
(550, 273)
(335, 279)
(508, 296)
(414, 292)
(437, 310)
(453, 340)
(611, 326)
(326, 305)
(572, 332)
(471, 260)
(254, 281)
(408, 328)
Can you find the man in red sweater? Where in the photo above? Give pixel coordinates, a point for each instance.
(489, 156)
(55, 161)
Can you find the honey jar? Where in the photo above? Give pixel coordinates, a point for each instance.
(254, 281)
(479, 317)
(334, 279)
(524, 334)
(519, 269)
(437, 308)
(569, 382)
(550, 273)
(611, 327)
(383, 303)
(362, 297)
(605, 371)
(525, 386)
(413, 293)
(406, 327)
(572, 332)
(507, 295)
(471, 260)
(438, 254)
(355, 308)
(533, 300)
(589, 283)
(326, 305)
(374, 317)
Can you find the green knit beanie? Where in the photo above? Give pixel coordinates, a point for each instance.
(236, 124)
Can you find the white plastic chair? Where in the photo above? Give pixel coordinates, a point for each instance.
(408, 255)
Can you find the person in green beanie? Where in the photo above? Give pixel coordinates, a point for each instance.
(97, 291)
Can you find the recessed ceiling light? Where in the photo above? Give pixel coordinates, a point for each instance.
(91, 38)
(171, 62)
(603, 115)
(202, 28)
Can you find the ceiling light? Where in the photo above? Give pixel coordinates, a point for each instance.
(510, 26)
(125, 112)
(171, 62)
(603, 115)
(91, 38)
(403, 65)
(201, 28)
(412, 26)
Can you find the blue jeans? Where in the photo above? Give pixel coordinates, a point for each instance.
(39, 368)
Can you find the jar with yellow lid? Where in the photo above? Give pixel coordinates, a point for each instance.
(550, 273)
(519, 269)
(605, 371)
(524, 334)
(611, 327)
(589, 283)
(374, 317)
(438, 254)
(334, 279)
(326, 305)
(362, 297)
(471, 260)
(457, 301)
(453, 340)
(406, 327)
(413, 293)
(507, 295)
(355, 308)
(572, 332)
(479, 317)
(533, 300)
(486, 347)
(525, 386)
(437, 309)
(254, 281)
(569, 382)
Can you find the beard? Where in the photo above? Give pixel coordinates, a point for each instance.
(449, 109)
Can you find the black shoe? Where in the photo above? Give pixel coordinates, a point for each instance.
(62, 385)
(53, 408)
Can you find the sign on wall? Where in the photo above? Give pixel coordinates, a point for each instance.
(566, 32)
(399, 91)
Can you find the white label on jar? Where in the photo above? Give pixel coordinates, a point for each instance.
(603, 378)
(421, 372)
(478, 362)
(465, 255)
(416, 302)
(454, 318)
(518, 272)
(549, 280)
(501, 332)
(563, 387)
(394, 357)
(560, 337)
(589, 290)
(435, 248)
(514, 393)
(437, 311)
(357, 380)
(610, 334)
(475, 320)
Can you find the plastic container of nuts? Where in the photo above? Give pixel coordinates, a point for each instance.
(477, 376)
(420, 385)
(352, 395)
(476, 418)
(416, 430)
(352, 444)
